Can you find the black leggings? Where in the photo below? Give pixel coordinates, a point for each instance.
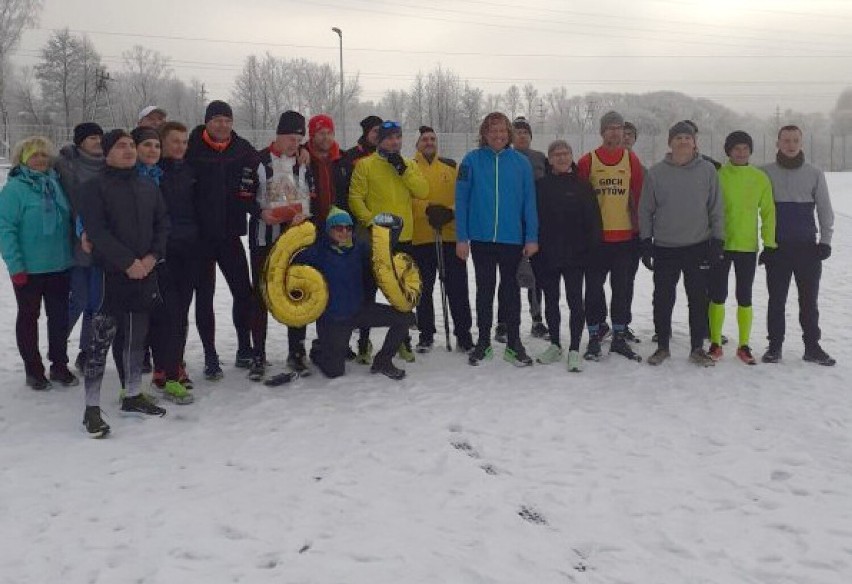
(231, 257)
(550, 282)
(745, 265)
(488, 259)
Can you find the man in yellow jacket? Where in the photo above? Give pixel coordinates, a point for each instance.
(437, 209)
(385, 182)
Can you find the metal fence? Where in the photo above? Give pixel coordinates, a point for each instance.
(828, 152)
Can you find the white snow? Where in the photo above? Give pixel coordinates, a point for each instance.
(732, 475)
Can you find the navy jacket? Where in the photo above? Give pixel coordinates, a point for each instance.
(346, 270)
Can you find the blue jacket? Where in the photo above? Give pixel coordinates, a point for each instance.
(35, 223)
(345, 270)
(495, 198)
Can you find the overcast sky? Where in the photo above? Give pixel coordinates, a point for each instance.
(751, 55)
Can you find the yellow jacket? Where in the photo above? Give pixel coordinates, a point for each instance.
(377, 188)
(441, 176)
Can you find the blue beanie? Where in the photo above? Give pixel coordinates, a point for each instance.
(337, 216)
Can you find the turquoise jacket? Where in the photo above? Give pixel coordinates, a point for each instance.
(35, 223)
(495, 198)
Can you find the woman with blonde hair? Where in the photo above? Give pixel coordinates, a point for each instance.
(35, 241)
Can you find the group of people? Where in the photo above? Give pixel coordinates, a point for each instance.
(126, 228)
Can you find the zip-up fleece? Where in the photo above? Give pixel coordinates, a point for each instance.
(797, 192)
(748, 195)
(495, 198)
(681, 205)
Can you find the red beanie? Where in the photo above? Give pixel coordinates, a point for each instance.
(320, 122)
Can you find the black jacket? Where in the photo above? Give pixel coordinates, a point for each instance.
(569, 221)
(221, 208)
(345, 168)
(178, 187)
(125, 218)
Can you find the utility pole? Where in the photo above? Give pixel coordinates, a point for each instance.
(342, 90)
(102, 88)
(203, 96)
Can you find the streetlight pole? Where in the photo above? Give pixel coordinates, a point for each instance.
(342, 90)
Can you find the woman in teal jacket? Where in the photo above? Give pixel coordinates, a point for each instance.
(35, 240)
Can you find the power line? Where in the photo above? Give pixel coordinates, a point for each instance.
(575, 56)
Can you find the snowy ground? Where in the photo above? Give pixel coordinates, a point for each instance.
(622, 474)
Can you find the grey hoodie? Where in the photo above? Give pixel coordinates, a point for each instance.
(681, 205)
(76, 168)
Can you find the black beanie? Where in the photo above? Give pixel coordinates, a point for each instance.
(142, 133)
(86, 129)
(738, 137)
(217, 108)
(369, 123)
(110, 138)
(425, 130)
(291, 122)
(521, 123)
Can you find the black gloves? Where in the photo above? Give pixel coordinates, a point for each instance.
(823, 251)
(249, 183)
(395, 159)
(439, 215)
(647, 249)
(765, 257)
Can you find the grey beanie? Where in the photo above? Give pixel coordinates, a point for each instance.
(611, 118)
(681, 128)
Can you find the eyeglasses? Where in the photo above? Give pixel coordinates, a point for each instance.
(391, 125)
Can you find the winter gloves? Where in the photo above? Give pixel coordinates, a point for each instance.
(20, 279)
(823, 251)
(525, 274)
(646, 247)
(716, 252)
(765, 257)
(395, 159)
(439, 216)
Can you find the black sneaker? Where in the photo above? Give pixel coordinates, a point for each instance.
(388, 369)
(258, 368)
(350, 354)
(147, 367)
(517, 356)
(424, 345)
(539, 330)
(630, 336)
(593, 349)
(63, 376)
(94, 424)
(80, 362)
(772, 354)
(212, 368)
(298, 363)
(622, 347)
(38, 382)
(815, 354)
(501, 334)
(479, 354)
(701, 357)
(137, 404)
(243, 359)
(464, 344)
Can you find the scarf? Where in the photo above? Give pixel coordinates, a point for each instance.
(152, 172)
(790, 163)
(217, 146)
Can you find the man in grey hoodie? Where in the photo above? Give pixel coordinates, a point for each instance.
(681, 222)
(78, 163)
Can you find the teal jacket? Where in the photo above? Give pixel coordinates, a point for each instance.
(35, 223)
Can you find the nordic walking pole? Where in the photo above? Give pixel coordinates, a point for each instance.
(439, 250)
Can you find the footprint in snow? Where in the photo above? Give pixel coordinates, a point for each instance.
(532, 515)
